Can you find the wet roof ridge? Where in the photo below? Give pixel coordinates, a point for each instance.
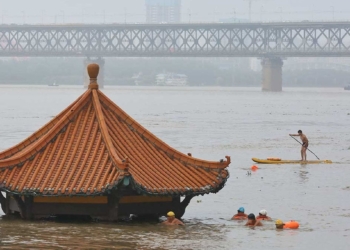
(93, 70)
(158, 142)
(104, 131)
(33, 148)
(35, 136)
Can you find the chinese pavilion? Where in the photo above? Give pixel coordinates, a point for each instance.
(94, 159)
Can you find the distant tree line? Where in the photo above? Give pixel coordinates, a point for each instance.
(316, 78)
(41, 71)
(119, 71)
(199, 72)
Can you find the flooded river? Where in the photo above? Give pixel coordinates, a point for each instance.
(211, 123)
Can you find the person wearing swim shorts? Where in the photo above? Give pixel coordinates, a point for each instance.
(305, 145)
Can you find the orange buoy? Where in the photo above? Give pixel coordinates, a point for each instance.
(254, 168)
(291, 224)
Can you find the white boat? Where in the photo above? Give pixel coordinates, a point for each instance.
(137, 78)
(171, 79)
(53, 84)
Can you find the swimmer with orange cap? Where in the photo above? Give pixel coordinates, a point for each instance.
(171, 220)
(263, 215)
(240, 214)
(288, 225)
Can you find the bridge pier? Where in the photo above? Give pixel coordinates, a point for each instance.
(272, 73)
(101, 75)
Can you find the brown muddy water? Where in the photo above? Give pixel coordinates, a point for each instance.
(211, 123)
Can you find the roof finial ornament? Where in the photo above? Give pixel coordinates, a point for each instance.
(93, 70)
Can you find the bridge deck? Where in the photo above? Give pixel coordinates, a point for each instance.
(285, 39)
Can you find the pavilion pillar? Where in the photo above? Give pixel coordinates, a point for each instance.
(271, 73)
(21, 206)
(101, 75)
(183, 206)
(113, 202)
(25, 207)
(3, 203)
(7, 205)
(28, 203)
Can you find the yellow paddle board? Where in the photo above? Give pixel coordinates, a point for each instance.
(280, 161)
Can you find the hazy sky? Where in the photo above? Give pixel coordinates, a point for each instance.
(72, 11)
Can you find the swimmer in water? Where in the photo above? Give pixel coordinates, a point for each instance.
(263, 215)
(305, 145)
(240, 214)
(286, 225)
(279, 224)
(171, 220)
(252, 221)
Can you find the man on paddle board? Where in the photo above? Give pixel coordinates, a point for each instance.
(305, 145)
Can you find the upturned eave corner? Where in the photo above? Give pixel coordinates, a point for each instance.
(228, 160)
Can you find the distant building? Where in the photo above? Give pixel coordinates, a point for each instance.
(163, 11)
(137, 78)
(255, 64)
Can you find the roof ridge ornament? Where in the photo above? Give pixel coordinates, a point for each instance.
(93, 70)
(126, 166)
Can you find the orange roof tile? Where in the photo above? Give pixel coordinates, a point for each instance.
(93, 145)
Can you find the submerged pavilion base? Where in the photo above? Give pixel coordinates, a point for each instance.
(103, 207)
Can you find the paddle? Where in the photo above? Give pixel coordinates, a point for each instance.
(306, 148)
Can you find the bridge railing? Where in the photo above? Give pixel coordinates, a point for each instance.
(294, 39)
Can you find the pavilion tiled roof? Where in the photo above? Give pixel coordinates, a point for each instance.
(93, 145)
